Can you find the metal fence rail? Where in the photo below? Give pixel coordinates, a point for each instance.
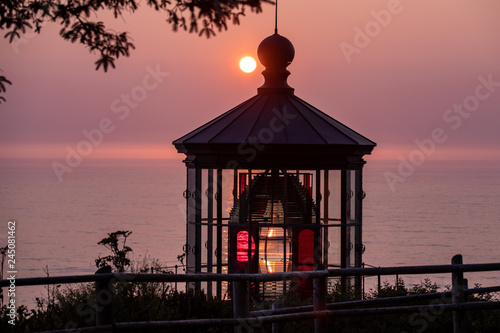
(257, 277)
(319, 311)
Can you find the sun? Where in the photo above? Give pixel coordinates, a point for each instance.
(248, 64)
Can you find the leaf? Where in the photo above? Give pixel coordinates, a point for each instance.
(12, 35)
(20, 15)
(3, 80)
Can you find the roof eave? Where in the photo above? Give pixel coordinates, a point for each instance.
(231, 156)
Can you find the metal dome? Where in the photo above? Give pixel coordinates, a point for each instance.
(275, 128)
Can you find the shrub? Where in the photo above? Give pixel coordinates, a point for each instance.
(73, 306)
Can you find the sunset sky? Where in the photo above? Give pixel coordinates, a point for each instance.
(395, 71)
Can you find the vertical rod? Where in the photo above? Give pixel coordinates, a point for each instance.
(249, 221)
(242, 183)
(317, 233)
(198, 247)
(458, 296)
(285, 217)
(358, 236)
(326, 199)
(285, 229)
(273, 184)
(218, 199)
(343, 226)
(210, 230)
(189, 248)
(175, 284)
(379, 284)
(235, 185)
(276, 18)
(348, 233)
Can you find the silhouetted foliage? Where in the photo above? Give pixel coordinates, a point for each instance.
(118, 258)
(77, 20)
(3, 81)
(73, 306)
(202, 17)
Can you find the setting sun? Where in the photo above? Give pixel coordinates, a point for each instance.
(248, 64)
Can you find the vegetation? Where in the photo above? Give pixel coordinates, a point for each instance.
(79, 21)
(3, 81)
(430, 319)
(119, 257)
(73, 306)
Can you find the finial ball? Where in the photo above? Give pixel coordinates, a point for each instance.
(276, 52)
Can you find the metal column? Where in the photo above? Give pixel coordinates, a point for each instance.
(210, 231)
(218, 199)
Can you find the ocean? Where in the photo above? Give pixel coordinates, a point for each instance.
(437, 210)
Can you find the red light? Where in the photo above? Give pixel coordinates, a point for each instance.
(305, 255)
(242, 246)
(243, 182)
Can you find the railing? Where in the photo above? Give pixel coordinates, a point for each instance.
(320, 311)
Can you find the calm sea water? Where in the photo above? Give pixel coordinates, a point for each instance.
(442, 209)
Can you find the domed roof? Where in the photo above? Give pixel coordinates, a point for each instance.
(275, 128)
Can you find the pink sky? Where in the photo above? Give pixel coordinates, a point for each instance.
(418, 62)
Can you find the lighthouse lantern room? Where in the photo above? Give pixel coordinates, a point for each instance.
(273, 185)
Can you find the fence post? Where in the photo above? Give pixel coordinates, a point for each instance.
(176, 266)
(378, 284)
(319, 303)
(104, 299)
(276, 326)
(241, 301)
(458, 296)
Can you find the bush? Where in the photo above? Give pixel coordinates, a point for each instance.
(73, 306)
